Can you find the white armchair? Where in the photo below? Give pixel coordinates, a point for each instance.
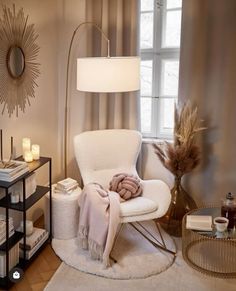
(103, 153)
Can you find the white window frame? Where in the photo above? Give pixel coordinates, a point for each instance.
(157, 54)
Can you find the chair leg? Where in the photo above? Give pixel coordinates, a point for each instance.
(159, 231)
(162, 239)
(156, 243)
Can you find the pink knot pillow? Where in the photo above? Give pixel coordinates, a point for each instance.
(126, 185)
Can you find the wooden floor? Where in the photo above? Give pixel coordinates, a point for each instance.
(41, 270)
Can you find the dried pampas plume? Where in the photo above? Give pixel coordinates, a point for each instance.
(183, 155)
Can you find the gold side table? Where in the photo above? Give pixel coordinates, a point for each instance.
(211, 253)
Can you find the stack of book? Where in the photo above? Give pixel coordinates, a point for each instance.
(12, 170)
(66, 186)
(33, 242)
(13, 259)
(3, 228)
(199, 222)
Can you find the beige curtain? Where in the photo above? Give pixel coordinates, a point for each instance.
(208, 78)
(119, 20)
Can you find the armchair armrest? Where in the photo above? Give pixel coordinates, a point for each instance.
(159, 192)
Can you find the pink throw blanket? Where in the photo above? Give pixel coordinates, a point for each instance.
(100, 214)
(98, 222)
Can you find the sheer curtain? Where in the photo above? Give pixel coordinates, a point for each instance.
(120, 21)
(208, 78)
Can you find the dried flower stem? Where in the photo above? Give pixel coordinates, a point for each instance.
(183, 155)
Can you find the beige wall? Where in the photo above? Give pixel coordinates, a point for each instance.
(55, 21)
(40, 120)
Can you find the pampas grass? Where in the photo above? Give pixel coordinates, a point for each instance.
(182, 156)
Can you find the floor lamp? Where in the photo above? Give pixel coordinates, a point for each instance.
(101, 75)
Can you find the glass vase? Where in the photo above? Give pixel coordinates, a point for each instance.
(181, 203)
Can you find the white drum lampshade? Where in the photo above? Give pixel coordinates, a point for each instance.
(108, 74)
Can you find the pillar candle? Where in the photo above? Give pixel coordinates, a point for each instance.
(26, 143)
(36, 151)
(28, 156)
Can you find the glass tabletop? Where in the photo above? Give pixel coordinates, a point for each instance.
(214, 212)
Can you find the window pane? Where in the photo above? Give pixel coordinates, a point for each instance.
(146, 114)
(167, 115)
(146, 5)
(172, 29)
(146, 30)
(173, 4)
(146, 78)
(170, 78)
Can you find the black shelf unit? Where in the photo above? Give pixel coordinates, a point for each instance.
(14, 239)
(23, 207)
(39, 193)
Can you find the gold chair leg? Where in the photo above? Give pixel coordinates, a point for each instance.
(156, 243)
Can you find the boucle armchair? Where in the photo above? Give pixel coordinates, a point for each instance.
(101, 154)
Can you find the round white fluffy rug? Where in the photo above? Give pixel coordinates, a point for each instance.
(136, 257)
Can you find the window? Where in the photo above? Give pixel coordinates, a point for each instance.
(160, 42)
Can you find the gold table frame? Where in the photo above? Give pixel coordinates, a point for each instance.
(207, 253)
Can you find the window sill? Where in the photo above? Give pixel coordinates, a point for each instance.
(150, 140)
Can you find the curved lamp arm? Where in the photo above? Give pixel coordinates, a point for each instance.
(67, 85)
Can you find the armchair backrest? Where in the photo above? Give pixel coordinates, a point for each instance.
(101, 154)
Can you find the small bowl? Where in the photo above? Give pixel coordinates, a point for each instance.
(221, 223)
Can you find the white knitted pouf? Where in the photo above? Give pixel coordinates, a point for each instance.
(65, 214)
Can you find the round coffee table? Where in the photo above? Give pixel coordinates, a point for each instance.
(211, 253)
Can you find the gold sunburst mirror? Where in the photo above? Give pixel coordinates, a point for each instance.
(18, 60)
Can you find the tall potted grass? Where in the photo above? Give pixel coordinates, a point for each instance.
(180, 158)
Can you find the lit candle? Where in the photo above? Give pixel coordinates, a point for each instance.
(36, 151)
(26, 143)
(28, 156)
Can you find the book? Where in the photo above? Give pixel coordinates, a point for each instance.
(66, 183)
(66, 191)
(66, 186)
(3, 223)
(34, 238)
(9, 178)
(199, 222)
(3, 226)
(11, 230)
(2, 240)
(30, 253)
(14, 170)
(13, 259)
